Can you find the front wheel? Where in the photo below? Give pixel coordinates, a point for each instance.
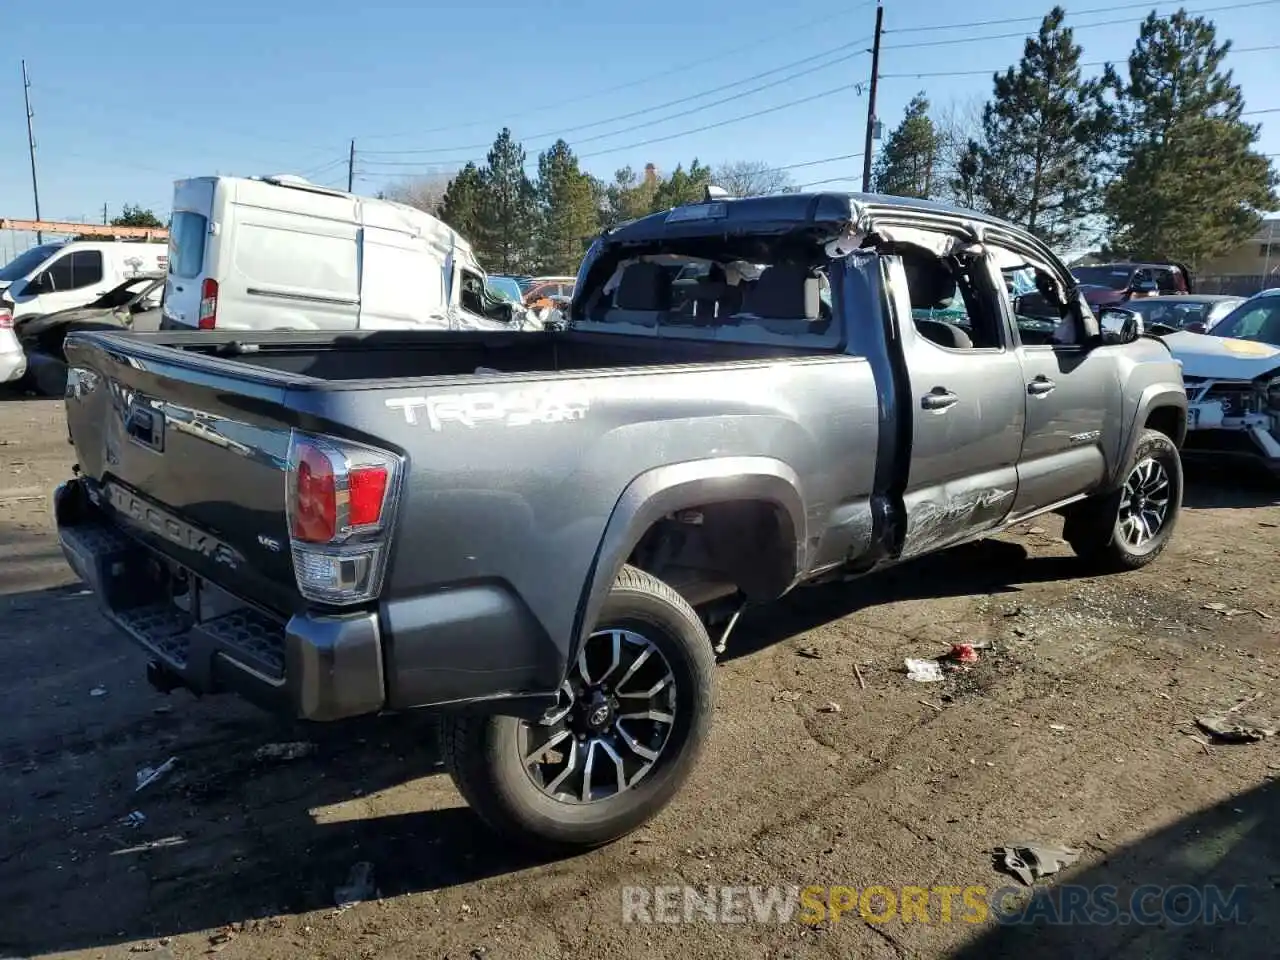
(1130, 527)
(631, 719)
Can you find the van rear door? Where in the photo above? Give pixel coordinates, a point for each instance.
(188, 240)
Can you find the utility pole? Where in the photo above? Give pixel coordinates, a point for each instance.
(351, 167)
(104, 214)
(31, 145)
(871, 102)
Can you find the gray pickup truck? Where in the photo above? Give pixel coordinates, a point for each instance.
(536, 534)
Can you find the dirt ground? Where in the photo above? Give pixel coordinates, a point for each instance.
(1075, 728)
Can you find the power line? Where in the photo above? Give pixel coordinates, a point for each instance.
(991, 70)
(1036, 19)
(1083, 26)
(825, 18)
(441, 166)
(647, 123)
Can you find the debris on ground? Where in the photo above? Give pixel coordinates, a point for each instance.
(135, 819)
(923, 671)
(161, 844)
(1236, 729)
(149, 775)
(1225, 609)
(285, 751)
(98, 692)
(1031, 861)
(858, 672)
(810, 653)
(1058, 727)
(963, 653)
(786, 696)
(829, 707)
(358, 888)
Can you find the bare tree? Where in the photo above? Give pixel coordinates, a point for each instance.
(958, 125)
(425, 192)
(751, 178)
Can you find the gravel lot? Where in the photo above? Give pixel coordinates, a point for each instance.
(1076, 727)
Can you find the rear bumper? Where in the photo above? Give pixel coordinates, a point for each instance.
(475, 647)
(313, 667)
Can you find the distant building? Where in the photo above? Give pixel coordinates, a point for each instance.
(1250, 267)
(1257, 256)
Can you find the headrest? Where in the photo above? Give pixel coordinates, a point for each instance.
(786, 291)
(932, 284)
(644, 286)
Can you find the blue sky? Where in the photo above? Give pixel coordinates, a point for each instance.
(130, 96)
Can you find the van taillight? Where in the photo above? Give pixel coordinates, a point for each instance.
(208, 304)
(6, 319)
(339, 499)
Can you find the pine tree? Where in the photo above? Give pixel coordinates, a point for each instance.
(1044, 128)
(568, 210)
(460, 205)
(906, 164)
(508, 213)
(628, 196)
(683, 186)
(1190, 185)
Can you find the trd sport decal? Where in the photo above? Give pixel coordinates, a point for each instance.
(517, 408)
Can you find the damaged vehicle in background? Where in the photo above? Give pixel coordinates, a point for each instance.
(133, 305)
(547, 539)
(1193, 312)
(1232, 377)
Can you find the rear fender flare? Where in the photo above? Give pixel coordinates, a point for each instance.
(668, 489)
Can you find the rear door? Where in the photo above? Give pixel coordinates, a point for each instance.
(190, 247)
(966, 408)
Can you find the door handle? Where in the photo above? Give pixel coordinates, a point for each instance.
(1040, 386)
(939, 398)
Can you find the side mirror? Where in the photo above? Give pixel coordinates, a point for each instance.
(40, 283)
(1120, 326)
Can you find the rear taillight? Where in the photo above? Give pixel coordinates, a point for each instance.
(208, 304)
(6, 319)
(339, 500)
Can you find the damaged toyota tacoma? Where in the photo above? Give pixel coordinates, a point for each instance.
(545, 539)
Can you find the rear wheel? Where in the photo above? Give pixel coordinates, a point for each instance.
(629, 723)
(1130, 527)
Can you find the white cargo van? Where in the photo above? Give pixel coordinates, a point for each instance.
(74, 273)
(278, 252)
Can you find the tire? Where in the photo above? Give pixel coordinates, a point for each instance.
(1101, 530)
(487, 756)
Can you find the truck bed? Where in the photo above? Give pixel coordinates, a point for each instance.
(396, 355)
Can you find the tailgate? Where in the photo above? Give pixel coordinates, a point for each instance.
(187, 454)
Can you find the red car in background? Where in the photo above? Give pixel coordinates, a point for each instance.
(1112, 284)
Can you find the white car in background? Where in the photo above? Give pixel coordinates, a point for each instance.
(13, 359)
(1232, 376)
